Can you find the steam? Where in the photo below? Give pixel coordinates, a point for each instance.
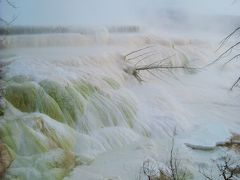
(114, 12)
(70, 108)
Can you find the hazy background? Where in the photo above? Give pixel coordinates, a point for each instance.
(106, 12)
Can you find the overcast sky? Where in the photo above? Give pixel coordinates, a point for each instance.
(105, 12)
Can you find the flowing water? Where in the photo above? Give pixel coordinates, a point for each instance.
(72, 111)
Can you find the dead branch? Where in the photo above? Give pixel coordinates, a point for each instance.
(229, 49)
(4, 21)
(173, 167)
(156, 63)
(224, 53)
(7, 23)
(164, 67)
(228, 143)
(153, 54)
(140, 55)
(150, 169)
(205, 175)
(11, 4)
(173, 170)
(228, 168)
(125, 57)
(227, 38)
(234, 57)
(228, 52)
(222, 43)
(176, 171)
(235, 83)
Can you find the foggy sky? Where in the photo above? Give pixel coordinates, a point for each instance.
(105, 12)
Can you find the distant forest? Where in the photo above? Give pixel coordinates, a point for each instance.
(60, 29)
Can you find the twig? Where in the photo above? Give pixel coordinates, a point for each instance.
(236, 82)
(147, 57)
(11, 4)
(163, 67)
(172, 168)
(234, 57)
(159, 61)
(202, 172)
(227, 38)
(140, 55)
(138, 51)
(10, 22)
(224, 53)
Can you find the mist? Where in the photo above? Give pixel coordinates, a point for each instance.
(109, 12)
(93, 89)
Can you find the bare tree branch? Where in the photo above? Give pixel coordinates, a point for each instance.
(138, 50)
(227, 38)
(11, 4)
(235, 83)
(7, 23)
(228, 51)
(228, 168)
(234, 57)
(158, 62)
(203, 173)
(172, 167)
(140, 55)
(224, 53)
(165, 67)
(4, 21)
